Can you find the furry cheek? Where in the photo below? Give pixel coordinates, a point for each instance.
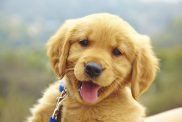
(107, 78)
(79, 71)
(122, 69)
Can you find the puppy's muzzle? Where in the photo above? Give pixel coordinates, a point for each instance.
(93, 69)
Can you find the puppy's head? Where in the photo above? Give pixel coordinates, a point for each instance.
(100, 54)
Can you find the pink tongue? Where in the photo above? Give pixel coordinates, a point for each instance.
(89, 92)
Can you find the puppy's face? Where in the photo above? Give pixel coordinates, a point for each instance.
(99, 54)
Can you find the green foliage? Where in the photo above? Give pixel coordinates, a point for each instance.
(165, 92)
(23, 75)
(171, 36)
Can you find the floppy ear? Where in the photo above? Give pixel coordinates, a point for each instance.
(145, 67)
(58, 48)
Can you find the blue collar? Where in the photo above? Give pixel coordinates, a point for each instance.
(62, 90)
(61, 87)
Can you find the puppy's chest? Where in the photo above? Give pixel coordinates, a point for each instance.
(102, 113)
(84, 114)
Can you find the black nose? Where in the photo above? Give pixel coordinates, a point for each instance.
(93, 69)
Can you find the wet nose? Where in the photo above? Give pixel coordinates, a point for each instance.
(93, 69)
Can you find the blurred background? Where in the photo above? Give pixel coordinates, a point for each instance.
(25, 26)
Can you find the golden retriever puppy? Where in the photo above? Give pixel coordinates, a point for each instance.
(106, 66)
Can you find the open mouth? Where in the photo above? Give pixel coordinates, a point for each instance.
(88, 91)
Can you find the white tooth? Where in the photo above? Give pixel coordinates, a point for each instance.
(78, 89)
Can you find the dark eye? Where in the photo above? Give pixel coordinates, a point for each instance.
(116, 52)
(84, 43)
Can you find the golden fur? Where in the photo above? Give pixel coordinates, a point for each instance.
(124, 79)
